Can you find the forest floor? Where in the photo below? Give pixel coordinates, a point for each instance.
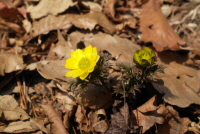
(37, 36)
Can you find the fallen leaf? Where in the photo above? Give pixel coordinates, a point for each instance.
(11, 14)
(155, 28)
(20, 127)
(93, 6)
(46, 7)
(11, 110)
(55, 70)
(52, 69)
(181, 83)
(62, 49)
(81, 119)
(92, 96)
(120, 48)
(174, 124)
(98, 120)
(68, 106)
(84, 21)
(118, 124)
(11, 3)
(57, 126)
(15, 27)
(10, 63)
(109, 7)
(148, 114)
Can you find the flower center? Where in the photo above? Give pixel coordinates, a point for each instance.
(84, 63)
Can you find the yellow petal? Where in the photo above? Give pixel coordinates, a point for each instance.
(74, 73)
(77, 54)
(137, 58)
(94, 50)
(93, 63)
(83, 76)
(71, 63)
(88, 50)
(97, 58)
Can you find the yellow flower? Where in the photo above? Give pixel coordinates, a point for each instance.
(82, 62)
(144, 57)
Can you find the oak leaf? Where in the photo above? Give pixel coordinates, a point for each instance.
(155, 28)
(148, 114)
(181, 83)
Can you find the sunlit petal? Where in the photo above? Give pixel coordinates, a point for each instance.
(74, 73)
(88, 50)
(83, 76)
(77, 54)
(71, 63)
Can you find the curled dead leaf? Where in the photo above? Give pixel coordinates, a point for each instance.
(20, 127)
(46, 7)
(155, 28)
(148, 114)
(81, 119)
(57, 126)
(11, 110)
(174, 124)
(10, 62)
(97, 123)
(84, 21)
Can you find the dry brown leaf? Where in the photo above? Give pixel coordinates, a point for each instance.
(68, 105)
(40, 124)
(10, 109)
(62, 49)
(193, 40)
(92, 96)
(15, 27)
(11, 14)
(20, 127)
(46, 7)
(181, 83)
(68, 101)
(11, 3)
(81, 119)
(4, 41)
(109, 7)
(118, 123)
(174, 124)
(57, 126)
(155, 28)
(120, 48)
(84, 21)
(10, 62)
(93, 6)
(148, 114)
(98, 120)
(54, 70)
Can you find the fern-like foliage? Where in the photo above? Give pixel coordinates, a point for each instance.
(134, 77)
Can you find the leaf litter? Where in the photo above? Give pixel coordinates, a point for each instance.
(36, 37)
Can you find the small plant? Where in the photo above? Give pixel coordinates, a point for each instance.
(134, 76)
(88, 66)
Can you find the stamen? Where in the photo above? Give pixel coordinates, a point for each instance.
(84, 63)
